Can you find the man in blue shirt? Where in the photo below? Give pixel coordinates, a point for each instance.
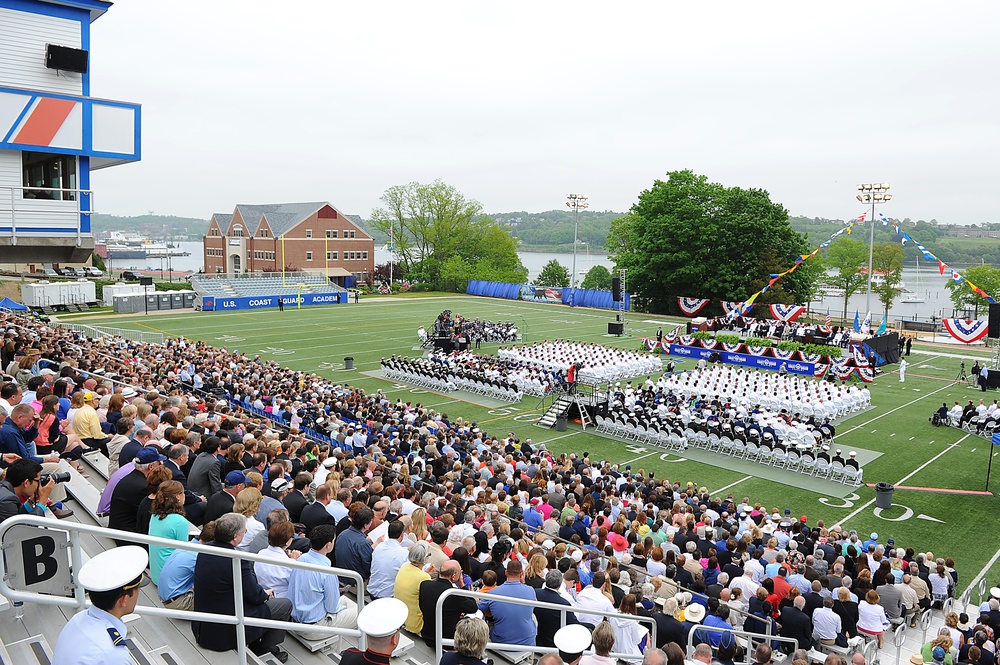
(532, 517)
(512, 624)
(387, 559)
(176, 587)
(354, 551)
(17, 436)
(316, 596)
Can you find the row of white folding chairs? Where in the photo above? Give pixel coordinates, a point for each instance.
(420, 380)
(487, 389)
(671, 440)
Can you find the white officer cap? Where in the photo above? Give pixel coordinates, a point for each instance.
(382, 617)
(574, 638)
(115, 569)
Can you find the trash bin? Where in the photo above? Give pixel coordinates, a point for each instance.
(561, 423)
(349, 362)
(883, 495)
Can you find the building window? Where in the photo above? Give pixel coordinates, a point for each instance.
(329, 233)
(364, 255)
(44, 174)
(309, 256)
(237, 231)
(329, 256)
(333, 234)
(263, 233)
(333, 256)
(309, 233)
(352, 235)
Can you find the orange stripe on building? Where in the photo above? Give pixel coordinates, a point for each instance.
(45, 120)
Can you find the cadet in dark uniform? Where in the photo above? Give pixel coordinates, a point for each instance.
(852, 461)
(380, 621)
(97, 636)
(838, 457)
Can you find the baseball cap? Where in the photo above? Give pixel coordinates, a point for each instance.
(234, 478)
(148, 455)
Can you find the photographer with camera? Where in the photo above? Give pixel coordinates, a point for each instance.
(17, 435)
(21, 490)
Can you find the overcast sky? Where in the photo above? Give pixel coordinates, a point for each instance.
(518, 104)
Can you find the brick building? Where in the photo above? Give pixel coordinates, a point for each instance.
(313, 237)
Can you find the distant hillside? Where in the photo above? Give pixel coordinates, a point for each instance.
(154, 226)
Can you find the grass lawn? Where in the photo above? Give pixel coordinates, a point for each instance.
(914, 453)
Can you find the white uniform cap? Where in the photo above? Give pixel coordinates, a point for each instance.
(382, 617)
(114, 569)
(574, 638)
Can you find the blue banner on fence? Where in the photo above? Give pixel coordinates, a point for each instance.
(210, 304)
(744, 359)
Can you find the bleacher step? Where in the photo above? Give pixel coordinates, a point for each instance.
(29, 651)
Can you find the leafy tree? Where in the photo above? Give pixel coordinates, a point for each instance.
(848, 257)
(985, 277)
(598, 278)
(383, 271)
(553, 274)
(443, 238)
(686, 236)
(887, 260)
(98, 261)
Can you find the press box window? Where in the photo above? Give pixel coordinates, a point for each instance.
(44, 174)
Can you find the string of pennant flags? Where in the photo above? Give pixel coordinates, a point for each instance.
(737, 309)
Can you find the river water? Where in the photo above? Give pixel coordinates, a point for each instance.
(925, 282)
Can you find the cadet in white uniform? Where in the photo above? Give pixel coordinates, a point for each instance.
(97, 636)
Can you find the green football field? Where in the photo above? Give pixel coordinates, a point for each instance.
(911, 451)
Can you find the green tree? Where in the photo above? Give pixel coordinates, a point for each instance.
(598, 278)
(553, 274)
(985, 277)
(442, 237)
(848, 257)
(887, 261)
(98, 262)
(686, 236)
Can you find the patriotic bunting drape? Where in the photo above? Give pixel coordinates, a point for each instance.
(691, 306)
(965, 331)
(787, 313)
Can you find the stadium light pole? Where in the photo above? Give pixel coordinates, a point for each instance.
(576, 202)
(872, 193)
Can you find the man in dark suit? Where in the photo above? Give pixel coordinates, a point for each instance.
(194, 505)
(295, 501)
(795, 624)
(223, 502)
(549, 620)
(141, 437)
(315, 514)
(454, 608)
(213, 592)
(205, 477)
(668, 628)
(130, 491)
(813, 599)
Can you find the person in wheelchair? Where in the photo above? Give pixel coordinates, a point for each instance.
(940, 416)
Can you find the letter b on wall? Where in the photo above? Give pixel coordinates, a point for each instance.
(38, 560)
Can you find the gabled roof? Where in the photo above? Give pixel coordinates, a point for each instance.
(281, 217)
(223, 219)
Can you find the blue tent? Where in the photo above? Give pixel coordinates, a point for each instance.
(7, 303)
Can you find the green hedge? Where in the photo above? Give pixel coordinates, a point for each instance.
(759, 341)
(727, 338)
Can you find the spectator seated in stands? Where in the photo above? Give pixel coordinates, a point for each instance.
(176, 585)
(315, 596)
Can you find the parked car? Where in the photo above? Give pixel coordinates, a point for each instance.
(129, 276)
(91, 271)
(66, 272)
(46, 272)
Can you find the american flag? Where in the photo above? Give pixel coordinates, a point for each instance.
(828, 317)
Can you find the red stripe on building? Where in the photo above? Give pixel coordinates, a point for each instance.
(45, 120)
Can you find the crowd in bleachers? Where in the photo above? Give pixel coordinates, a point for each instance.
(417, 502)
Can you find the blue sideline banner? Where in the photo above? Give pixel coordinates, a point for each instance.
(744, 359)
(211, 304)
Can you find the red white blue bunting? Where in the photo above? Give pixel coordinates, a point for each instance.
(866, 374)
(965, 331)
(787, 313)
(859, 356)
(691, 306)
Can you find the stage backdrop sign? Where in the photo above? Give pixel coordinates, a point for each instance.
(744, 359)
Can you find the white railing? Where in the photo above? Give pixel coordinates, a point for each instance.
(79, 601)
(43, 210)
(440, 642)
(106, 332)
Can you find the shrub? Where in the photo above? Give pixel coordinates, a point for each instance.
(726, 338)
(788, 345)
(702, 335)
(759, 341)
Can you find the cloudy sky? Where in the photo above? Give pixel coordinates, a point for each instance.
(520, 103)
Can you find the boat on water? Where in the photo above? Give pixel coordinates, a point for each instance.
(914, 296)
(134, 246)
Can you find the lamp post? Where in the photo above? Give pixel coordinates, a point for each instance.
(576, 202)
(873, 193)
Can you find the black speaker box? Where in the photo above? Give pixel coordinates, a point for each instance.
(994, 326)
(66, 59)
(616, 289)
(616, 328)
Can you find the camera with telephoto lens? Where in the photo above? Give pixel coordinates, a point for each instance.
(60, 477)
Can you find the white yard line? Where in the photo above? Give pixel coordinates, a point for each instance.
(655, 452)
(866, 423)
(723, 489)
(982, 573)
(905, 478)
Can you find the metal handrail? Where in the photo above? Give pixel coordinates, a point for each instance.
(764, 637)
(77, 199)
(80, 601)
(440, 642)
